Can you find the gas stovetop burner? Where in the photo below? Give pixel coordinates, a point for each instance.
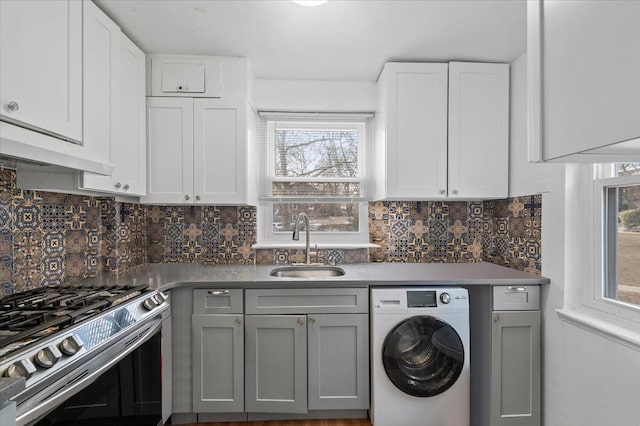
(31, 315)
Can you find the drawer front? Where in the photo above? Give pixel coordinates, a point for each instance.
(217, 301)
(516, 298)
(303, 301)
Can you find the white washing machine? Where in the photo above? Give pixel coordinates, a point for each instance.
(420, 356)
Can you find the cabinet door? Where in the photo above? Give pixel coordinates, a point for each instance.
(276, 364)
(129, 154)
(220, 152)
(478, 130)
(584, 90)
(515, 368)
(41, 65)
(101, 72)
(416, 130)
(169, 150)
(338, 362)
(101, 78)
(218, 363)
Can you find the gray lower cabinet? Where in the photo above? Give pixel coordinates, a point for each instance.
(218, 363)
(338, 361)
(276, 363)
(515, 359)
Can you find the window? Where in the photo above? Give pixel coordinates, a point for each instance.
(314, 164)
(617, 192)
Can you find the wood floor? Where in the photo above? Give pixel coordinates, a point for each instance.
(345, 422)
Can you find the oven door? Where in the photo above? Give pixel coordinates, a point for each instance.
(142, 344)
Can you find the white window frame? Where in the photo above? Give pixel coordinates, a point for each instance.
(614, 310)
(266, 237)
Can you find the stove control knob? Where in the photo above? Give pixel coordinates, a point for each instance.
(149, 303)
(23, 368)
(160, 298)
(71, 345)
(445, 298)
(47, 357)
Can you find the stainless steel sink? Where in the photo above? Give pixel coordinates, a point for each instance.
(307, 271)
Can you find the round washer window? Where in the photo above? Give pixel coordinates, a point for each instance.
(423, 356)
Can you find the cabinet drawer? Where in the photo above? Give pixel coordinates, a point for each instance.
(217, 301)
(312, 301)
(516, 298)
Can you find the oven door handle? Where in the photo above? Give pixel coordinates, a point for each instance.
(79, 383)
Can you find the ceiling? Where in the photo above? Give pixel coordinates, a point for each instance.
(340, 40)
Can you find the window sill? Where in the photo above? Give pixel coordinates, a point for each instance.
(600, 325)
(320, 246)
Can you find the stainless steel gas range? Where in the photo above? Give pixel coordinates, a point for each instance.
(63, 338)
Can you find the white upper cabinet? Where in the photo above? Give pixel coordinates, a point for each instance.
(114, 105)
(191, 76)
(478, 130)
(199, 152)
(583, 84)
(41, 65)
(129, 153)
(411, 132)
(219, 152)
(169, 150)
(442, 131)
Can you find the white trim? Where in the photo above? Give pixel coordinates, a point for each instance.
(602, 326)
(293, 116)
(330, 121)
(534, 81)
(593, 295)
(320, 246)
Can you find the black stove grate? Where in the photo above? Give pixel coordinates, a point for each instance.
(36, 313)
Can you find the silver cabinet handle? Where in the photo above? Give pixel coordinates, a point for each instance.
(312, 320)
(198, 197)
(301, 321)
(125, 187)
(218, 292)
(455, 191)
(118, 185)
(238, 320)
(516, 288)
(443, 191)
(186, 197)
(12, 107)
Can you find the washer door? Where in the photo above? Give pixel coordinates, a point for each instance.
(423, 356)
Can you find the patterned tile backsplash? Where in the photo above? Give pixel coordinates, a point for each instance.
(47, 237)
(506, 232)
(201, 234)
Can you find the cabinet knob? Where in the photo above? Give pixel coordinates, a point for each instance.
(238, 320)
(186, 197)
(496, 317)
(126, 187)
(455, 191)
(443, 191)
(312, 320)
(118, 185)
(198, 197)
(301, 321)
(12, 106)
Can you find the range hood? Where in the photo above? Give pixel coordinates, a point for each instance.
(23, 144)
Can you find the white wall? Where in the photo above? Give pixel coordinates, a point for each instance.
(313, 95)
(588, 380)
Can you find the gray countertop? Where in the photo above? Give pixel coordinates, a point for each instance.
(165, 276)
